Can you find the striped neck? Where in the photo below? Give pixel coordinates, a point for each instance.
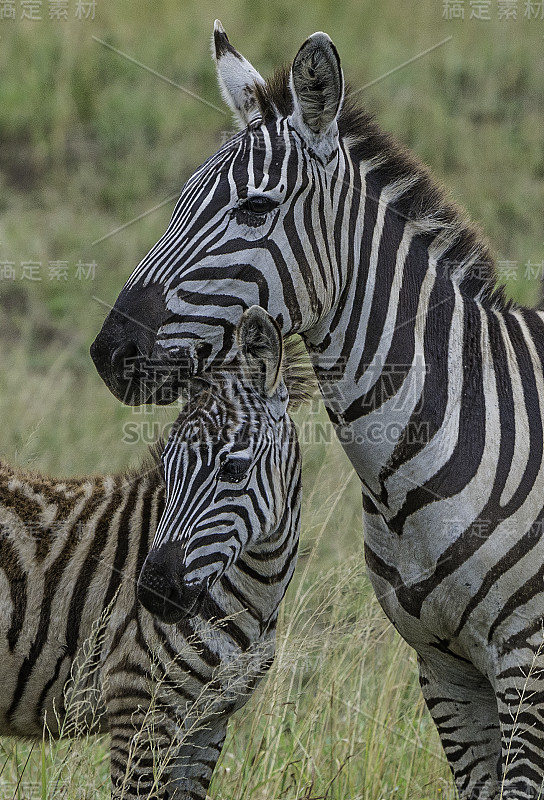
(405, 283)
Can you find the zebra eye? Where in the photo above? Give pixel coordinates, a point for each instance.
(258, 204)
(234, 469)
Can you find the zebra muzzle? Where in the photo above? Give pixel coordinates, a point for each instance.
(165, 597)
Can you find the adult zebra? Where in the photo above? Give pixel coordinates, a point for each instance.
(218, 528)
(433, 381)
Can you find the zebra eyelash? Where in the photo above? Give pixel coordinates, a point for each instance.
(234, 469)
(254, 211)
(258, 204)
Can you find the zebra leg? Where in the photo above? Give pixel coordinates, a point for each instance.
(136, 753)
(192, 767)
(154, 757)
(520, 698)
(463, 706)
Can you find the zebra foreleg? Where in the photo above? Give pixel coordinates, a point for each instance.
(192, 767)
(463, 706)
(138, 753)
(160, 760)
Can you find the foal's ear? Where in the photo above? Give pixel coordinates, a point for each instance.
(317, 87)
(261, 344)
(237, 79)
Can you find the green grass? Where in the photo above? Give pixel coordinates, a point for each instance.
(89, 141)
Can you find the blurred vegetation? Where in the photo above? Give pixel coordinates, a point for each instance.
(90, 141)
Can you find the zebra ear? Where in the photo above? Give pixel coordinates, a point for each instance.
(237, 79)
(317, 87)
(261, 344)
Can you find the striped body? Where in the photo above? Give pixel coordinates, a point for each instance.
(432, 380)
(78, 651)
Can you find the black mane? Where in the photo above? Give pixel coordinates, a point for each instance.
(463, 249)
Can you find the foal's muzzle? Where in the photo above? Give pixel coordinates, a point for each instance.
(164, 592)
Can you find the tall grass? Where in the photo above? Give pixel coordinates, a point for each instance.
(88, 141)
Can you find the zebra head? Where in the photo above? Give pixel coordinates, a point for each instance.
(232, 471)
(253, 225)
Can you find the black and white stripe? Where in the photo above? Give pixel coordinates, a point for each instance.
(433, 381)
(79, 652)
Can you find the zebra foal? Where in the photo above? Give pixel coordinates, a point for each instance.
(217, 528)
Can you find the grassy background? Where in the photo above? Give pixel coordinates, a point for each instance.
(88, 142)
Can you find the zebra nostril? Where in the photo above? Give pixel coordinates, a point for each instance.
(123, 358)
(165, 598)
(154, 591)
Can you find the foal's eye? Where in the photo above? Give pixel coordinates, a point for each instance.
(258, 204)
(234, 469)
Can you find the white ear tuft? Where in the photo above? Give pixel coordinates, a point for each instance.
(317, 86)
(237, 79)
